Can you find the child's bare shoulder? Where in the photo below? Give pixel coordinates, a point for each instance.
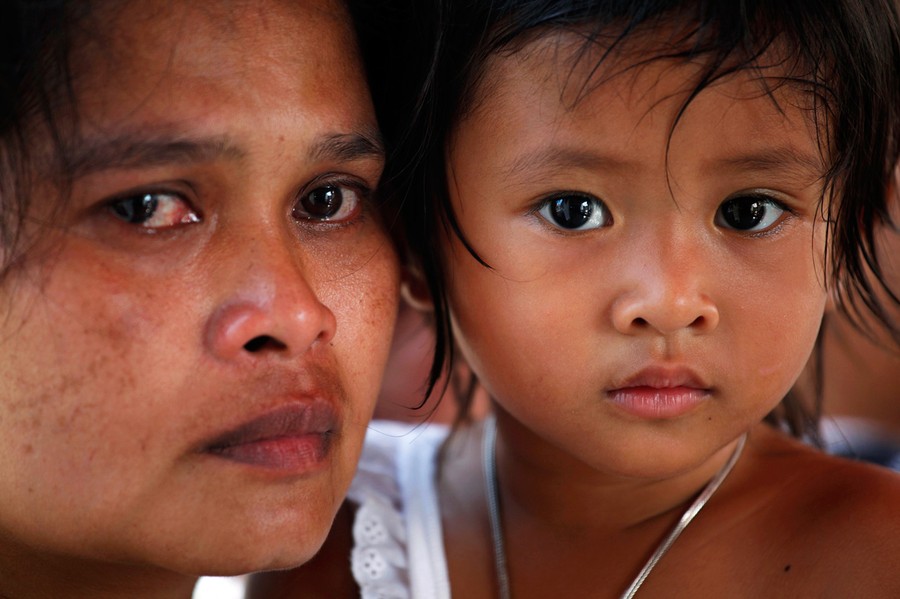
(839, 518)
(822, 481)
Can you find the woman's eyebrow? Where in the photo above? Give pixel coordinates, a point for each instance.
(132, 150)
(345, 147)
(135, 150)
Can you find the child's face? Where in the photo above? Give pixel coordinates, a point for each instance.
(189, 362)
(651, 297)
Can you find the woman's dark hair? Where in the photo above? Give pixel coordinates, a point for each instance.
(391, 35)
(844, 54)
(34, 91)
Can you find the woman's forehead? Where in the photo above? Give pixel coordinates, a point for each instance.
(176, 71)
(159, 37)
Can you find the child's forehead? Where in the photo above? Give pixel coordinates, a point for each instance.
(565, 76)
(554, 99)
(647, 66)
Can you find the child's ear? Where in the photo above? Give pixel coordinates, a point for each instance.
(414, 290)
(831, 302)
(894, 196)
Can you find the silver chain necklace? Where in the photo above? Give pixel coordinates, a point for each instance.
(489, 464)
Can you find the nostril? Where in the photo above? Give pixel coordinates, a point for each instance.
(264, 342)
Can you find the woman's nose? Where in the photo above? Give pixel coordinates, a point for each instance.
(270, 307)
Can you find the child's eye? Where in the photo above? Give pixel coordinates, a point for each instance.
(574, 212)
(154, 211)
(751, 213)
(333, 203)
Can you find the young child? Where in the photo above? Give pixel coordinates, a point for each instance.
(633, 210)
(192, 262)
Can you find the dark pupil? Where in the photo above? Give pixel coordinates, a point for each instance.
(323, 202)
(744, 213)
(136, 210)
(571, 212)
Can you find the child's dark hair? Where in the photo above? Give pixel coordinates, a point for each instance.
(845, 54)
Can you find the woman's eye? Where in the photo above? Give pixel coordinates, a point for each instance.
(574, 212)
(749, 213)
(328, 203)
(154, 210)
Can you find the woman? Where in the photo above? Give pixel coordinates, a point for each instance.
(197, 289)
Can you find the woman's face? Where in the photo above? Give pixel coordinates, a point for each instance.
(192, 351)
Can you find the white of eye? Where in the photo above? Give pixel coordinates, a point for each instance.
(170, 211)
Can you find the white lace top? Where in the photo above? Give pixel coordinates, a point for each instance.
(398, 550)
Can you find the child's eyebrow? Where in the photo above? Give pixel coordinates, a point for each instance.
(134, 150)
(548, 158)
(786, 159)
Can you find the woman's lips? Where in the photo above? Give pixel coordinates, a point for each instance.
(296, 437)
(660, 393)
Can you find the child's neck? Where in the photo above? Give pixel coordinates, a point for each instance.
(538, 481)
(595, 530)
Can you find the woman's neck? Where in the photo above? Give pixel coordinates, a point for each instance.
(30, 574)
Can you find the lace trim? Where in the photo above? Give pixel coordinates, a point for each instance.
(378, 559)
(388, 558)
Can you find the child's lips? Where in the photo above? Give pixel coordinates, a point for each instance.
(664, 377)
(295, 437)
(660, 392)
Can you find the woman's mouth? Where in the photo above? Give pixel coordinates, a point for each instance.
(296, 437)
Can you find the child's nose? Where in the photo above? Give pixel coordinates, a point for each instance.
(667, 290)
(268, 307)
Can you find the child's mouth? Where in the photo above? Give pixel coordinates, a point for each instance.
(660, 392)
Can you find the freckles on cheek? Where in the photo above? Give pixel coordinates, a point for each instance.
(365, 306)
(66, 432)
(78, 370)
